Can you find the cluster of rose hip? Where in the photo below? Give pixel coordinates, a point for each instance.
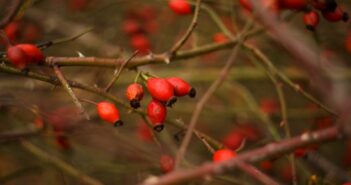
(138, 25)
(22, 55)
(164, 92)
(329, 9)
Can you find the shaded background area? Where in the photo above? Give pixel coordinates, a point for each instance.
(128, 154)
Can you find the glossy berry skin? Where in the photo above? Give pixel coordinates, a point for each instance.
(166, 163)
(337, 15)
(219, 38)
(161, 90)
(17, 56)
(223, 155)
(33, 53)
(294, 4)
(311, 20)
(135, 93)
(181, 87)
(157, 113)
(109, 113)
(180, 7)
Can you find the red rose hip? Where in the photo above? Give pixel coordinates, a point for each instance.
(134, 93)
(311, 20)
(33, 53)
(223, 155)
(181, 87)
(161, 90)
(157, 113)
(17, 56)
(181, 7)
(166, 163)
(109, 113)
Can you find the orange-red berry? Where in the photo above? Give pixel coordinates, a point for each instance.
(17, 56)
(219, 37)
(161, 90)
(294, 4)
(166, 163)
(336, 15)
(311, 20)
(157, 113)
(223, 155)
(181, 7)
(109, 113)
(135, 93)
(141, 43)
(34, 54)
(181, 87)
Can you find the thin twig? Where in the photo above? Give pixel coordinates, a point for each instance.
(188, 32)
(200, 105)
(67, 168)
(116, 76)
(70, 91)
(55, 81)
(252, 156)
(14, 7)
(263, 58)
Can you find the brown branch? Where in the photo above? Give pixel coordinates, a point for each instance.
(200, 105)
(70, 91)
(15, 135)
(259, 154)
(188, 32)
(73, 84)
(330, 169)
(116, 76)
(14, 7)
(67, 168)
(257, 174)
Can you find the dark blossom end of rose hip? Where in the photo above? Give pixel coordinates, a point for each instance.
(135, 104)
(159, 128)
(118, 123)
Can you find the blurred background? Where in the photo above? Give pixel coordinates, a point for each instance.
(238, 114)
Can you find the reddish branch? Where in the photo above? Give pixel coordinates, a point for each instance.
(267, 151)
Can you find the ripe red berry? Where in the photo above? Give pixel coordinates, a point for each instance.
(108, 112)
(157, 113)
(161, 90)
(234, 139)
(347, 183)
(223, 155)
(134, 93)
(181, 7)
(166, 163)
(141, 43)
(311, 20)
(337, 15)
(17, 56)
(181, 87)
(294, 4)
(34, 54)
(12, 30)
(131, 26)
(272, 5)
(220, 37)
